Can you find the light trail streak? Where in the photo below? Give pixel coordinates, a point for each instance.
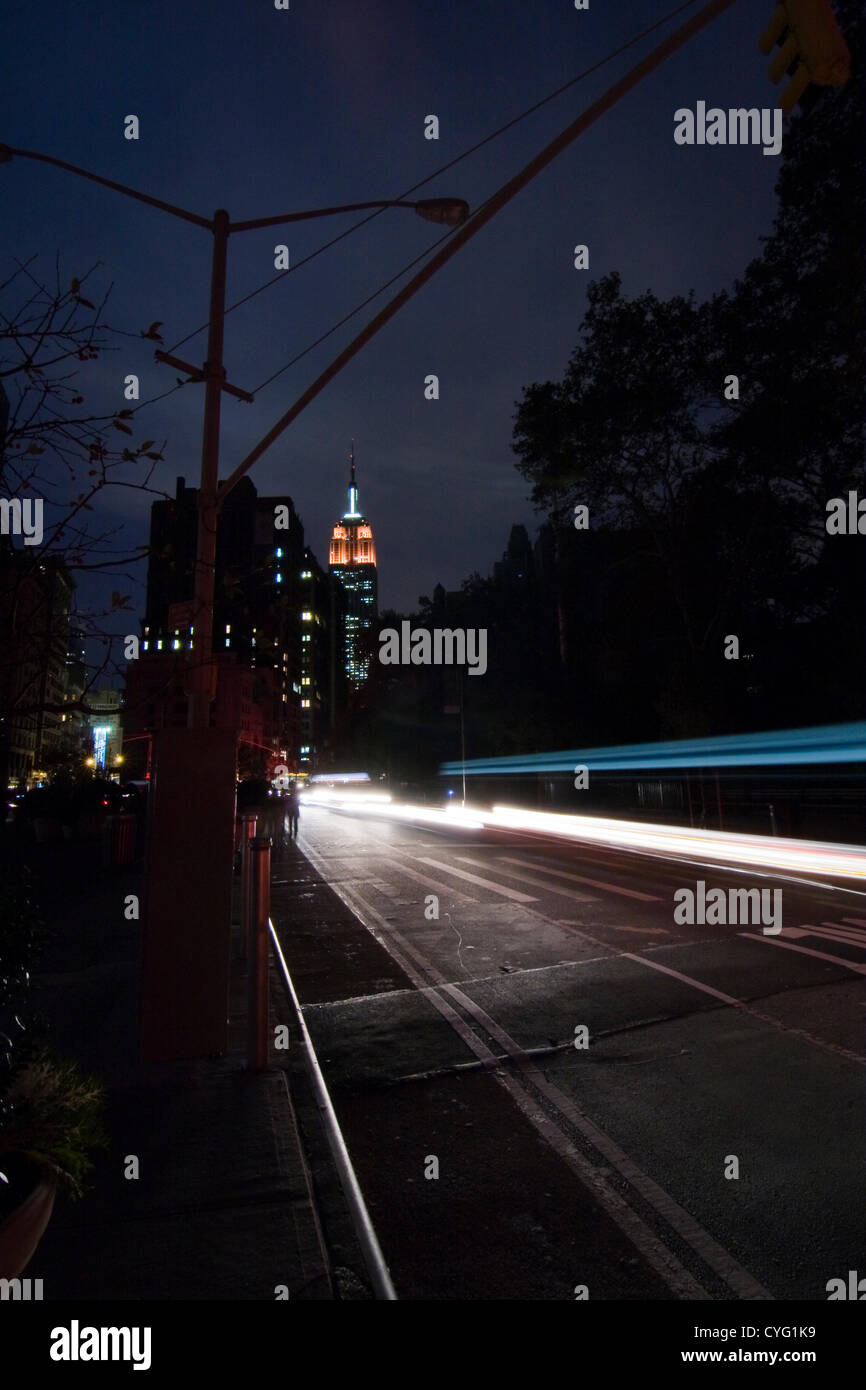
(672, 841)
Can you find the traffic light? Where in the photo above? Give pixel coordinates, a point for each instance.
(812, 40)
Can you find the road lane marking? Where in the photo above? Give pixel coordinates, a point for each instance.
(427, 881)
(535, 882)
(660, 1258)
(745, 1008)
(714, 1255)
(806, 929)
(481, 882)
(857, 921)
(640, 931)
(578, 878)
(678, 1279)
(856, 938)
(805, 951)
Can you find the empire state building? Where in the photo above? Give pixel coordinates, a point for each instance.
(352, 561)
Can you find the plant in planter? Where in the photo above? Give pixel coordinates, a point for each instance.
(50, 1113)
(53, 1123)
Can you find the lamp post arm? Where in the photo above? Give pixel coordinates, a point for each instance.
(256, 222)
(8, 152)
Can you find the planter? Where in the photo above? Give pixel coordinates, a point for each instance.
(23, 1227)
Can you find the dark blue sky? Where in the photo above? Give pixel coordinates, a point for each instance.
(264, 111)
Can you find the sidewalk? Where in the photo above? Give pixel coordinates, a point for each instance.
(222, 1207)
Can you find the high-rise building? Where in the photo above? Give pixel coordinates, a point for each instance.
(36, 595)
(257, 627)
(323, 681)
(353, 564)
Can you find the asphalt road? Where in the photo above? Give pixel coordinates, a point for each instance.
(705, 1143)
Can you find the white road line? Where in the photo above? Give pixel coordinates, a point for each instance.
(675, 1275)
(714, 1255)
(535, 882)
(804, 950)
(838, 935)
(386, 889)
(637, 931)
(851, 933)
(427, 881)
(856, 921)
(678, 1279)
(745, 1008)
(578, 878)
(482, 882)
(856, 938)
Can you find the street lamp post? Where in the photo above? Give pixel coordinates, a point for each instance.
(187, 916)
(204, 674)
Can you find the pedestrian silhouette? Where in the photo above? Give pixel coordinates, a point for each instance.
(292, 810)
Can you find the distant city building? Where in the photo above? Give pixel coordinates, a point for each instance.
(35, 602)
(262, 591)
(352, 561)
(323, 681)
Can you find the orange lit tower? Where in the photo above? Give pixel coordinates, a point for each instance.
(352, 561)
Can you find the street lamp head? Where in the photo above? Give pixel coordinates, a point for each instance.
(452, 211)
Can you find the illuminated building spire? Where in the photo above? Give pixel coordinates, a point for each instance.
(353, 489)
(352, 560)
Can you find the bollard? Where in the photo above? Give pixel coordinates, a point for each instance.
(248, 830)
(257, 964)
(124, 828)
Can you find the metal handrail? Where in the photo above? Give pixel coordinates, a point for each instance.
(372, 1251)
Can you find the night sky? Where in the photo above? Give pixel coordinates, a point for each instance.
(263, 111)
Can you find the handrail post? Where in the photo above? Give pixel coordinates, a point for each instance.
(248, 830)
(257, 964)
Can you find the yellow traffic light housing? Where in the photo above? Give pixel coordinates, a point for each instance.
(811, 39)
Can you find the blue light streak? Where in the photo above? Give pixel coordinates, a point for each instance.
(828, 743)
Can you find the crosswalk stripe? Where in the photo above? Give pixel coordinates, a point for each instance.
(807, 930)
(535, 882)
(578, 878)
(427, 881)
(482, 882)
(805, 951)
(857, 938)
(856, 921)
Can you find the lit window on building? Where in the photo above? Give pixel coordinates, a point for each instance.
(306, 616)
(305, 704)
